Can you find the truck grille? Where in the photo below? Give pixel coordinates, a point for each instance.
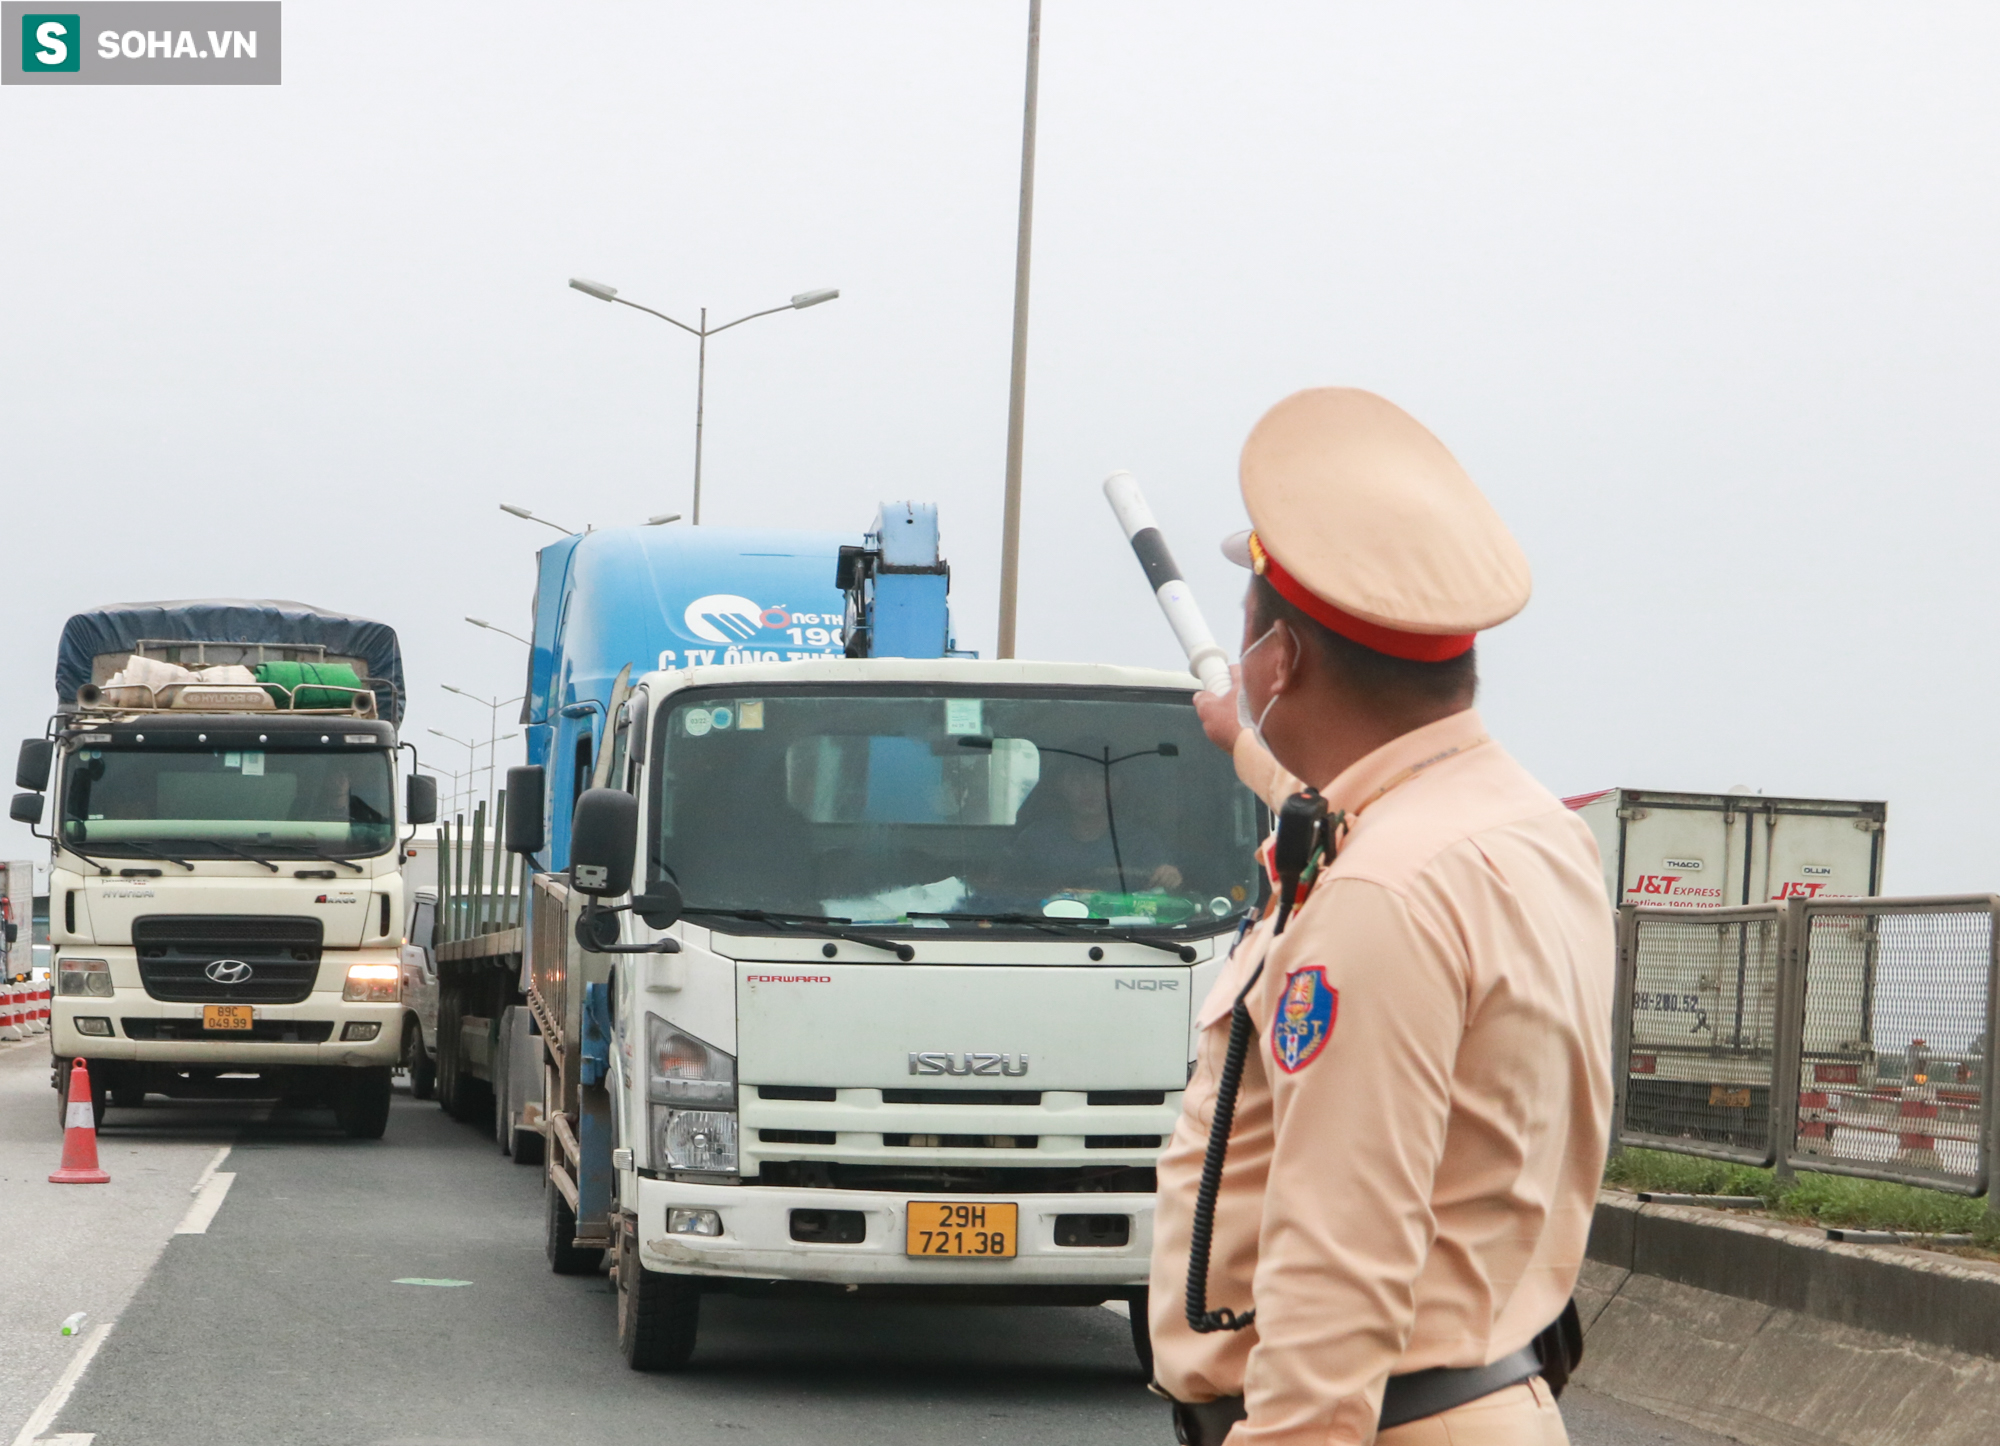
(175, 951)
(961, 1097)
(941, 1141)
(956, 1179)
(963, 1142)
(264, 1031)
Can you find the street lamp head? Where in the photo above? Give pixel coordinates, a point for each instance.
(663, 518)
(525, 515)
(492, 628)
(807, 298)
(594, 288)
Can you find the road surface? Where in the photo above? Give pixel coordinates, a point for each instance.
(280, 1313)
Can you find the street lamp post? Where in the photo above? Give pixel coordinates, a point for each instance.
(493, 706)
(1017, 380)
(701, 334)
(472, 747)
(456, 777)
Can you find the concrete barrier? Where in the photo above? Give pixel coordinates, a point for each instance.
(1773, 1334)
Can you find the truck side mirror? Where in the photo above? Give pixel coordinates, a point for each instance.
(31, 769)
(660, 905)
(602, 833)
(420, 799)
(527, 833)
(27, 808)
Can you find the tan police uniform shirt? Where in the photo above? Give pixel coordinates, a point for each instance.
(1421, 1126)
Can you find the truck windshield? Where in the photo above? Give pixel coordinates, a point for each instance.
(885, 806)
(198, 801)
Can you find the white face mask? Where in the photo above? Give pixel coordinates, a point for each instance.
(1255, 725)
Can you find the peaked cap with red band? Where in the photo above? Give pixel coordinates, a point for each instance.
(1365, 523)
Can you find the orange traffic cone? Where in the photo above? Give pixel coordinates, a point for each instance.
(79, 1161)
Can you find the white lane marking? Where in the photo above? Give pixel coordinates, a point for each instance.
(1118, 1307)
(213, 1165)
(58, 1396)
(76, 1438)
(206, 1203)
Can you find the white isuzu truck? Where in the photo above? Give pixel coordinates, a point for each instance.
(885, 971)
(870, 972)
(225, 904)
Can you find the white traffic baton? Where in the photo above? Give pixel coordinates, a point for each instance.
(1206, 660)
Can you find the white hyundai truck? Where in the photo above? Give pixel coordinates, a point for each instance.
(225, 902)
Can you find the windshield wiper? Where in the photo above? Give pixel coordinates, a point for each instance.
(151, 852)
(240, 853)
(102, 867)
(823, 924)
(295, 850)
(1073, 929)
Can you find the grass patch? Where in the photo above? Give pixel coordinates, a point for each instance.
(1812, 1199)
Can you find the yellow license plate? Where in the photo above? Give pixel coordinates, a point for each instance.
(961, 1228)
(226, 1016)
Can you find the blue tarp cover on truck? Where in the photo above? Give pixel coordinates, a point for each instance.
(121, 627)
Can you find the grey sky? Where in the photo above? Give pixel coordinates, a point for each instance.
(1703, 296)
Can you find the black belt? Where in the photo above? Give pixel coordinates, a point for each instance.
(1407, 1398)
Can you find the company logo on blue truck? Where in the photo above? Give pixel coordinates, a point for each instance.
(753, 632)
(662, 598)
(648, 598)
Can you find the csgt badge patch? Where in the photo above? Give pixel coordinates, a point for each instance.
(1305, 1019)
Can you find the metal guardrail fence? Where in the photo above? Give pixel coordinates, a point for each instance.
(1698, 1003)
(1848, 1036)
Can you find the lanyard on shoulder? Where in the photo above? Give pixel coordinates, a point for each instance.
(1305, 841)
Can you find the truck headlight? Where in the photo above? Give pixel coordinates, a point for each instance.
(691, 1087)
(90, 977)
(683, 1070)
(700, 1140)
(373, 984)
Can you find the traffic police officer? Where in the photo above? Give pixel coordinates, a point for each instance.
(1373, 1210)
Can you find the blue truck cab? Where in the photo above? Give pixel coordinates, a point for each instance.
(658, 598)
